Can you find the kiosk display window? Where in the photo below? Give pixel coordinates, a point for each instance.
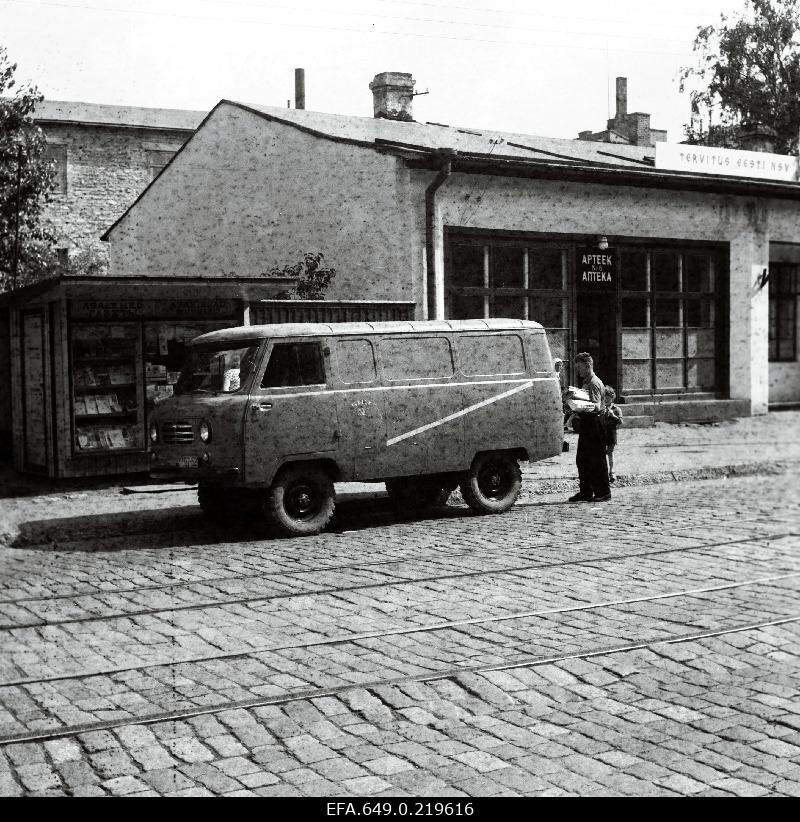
(105, 379)
(165, 349)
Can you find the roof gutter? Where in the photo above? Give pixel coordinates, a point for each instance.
(443, 158)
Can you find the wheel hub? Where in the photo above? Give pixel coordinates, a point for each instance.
(301, 502)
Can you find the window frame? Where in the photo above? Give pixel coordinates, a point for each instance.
(340, 365)
(406, 338)
(289, 389)
(778, 297)
(56, 153)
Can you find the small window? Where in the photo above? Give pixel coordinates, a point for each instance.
(483, 355)
(156, 160)
(292, 364)
(57, 155)
(416, 358)
(783, 289)
(356, 361)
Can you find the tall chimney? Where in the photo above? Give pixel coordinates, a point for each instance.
(622, 97)
(299, 88)
(392, 95)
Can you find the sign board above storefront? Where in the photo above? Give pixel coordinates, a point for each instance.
(595, 269)
(154, 309)
(734, 163)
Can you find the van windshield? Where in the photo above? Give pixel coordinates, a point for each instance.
(218, 369)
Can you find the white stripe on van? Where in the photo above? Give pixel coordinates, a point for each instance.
(468, 410)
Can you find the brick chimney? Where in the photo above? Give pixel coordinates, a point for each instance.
(622, 98)
(392, 95)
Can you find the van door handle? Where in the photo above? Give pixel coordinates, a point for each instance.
(262, 406)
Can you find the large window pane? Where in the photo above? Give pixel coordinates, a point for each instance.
(544, 266)
(667, 312)
(664, 271)
(547, 310)
(698, 273)
(633, 270)
(467, 265)
(634, 312)
(506, 267)
(465, 307)
(510, 308)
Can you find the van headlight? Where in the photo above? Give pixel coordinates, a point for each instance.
(205, 431)
(153, 433)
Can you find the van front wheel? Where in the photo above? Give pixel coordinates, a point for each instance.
(300, 501)
(492, 484)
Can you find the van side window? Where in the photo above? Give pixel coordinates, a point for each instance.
(485, 355)
(540, 354)
(415, 358)
(356, 361)
(294, 364)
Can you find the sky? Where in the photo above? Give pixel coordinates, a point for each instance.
(534, 67)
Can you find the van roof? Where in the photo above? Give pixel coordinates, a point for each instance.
(256, 332)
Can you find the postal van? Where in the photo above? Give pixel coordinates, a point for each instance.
(271, 416)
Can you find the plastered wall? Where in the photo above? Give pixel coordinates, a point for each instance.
(247, 194)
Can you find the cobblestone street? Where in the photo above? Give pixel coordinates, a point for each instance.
(647, 646)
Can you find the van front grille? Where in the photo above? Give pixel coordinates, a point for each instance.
(177, 433)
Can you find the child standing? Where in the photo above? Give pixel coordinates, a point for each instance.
(612, 419)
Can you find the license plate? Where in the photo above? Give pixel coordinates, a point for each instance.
(187, 462)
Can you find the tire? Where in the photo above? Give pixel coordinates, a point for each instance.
(492, 484)
(301, 500)
(416, 493)
(213, 501)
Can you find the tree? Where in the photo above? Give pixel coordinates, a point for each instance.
(26, 178)
(747, 75)
(312, 278)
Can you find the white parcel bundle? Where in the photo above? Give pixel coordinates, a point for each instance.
(578, 400)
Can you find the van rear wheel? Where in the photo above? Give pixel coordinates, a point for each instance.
(301, 500)
(492, 484)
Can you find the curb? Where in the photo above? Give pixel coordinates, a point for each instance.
(532, 487)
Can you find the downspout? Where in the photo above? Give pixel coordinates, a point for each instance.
(443, 159)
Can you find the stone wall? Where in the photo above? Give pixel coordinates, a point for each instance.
(107, 168)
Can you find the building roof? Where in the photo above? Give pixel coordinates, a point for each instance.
(97, 114)
(485, 151)
(463, 139)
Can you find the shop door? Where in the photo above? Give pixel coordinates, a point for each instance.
(596, 311)
(33, 391)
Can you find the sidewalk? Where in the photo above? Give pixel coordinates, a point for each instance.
(33, 510)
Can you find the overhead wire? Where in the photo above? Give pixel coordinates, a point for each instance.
(362, 31)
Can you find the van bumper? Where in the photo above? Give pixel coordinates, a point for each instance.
(189, 468)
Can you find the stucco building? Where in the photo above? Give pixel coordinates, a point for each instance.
(660, 274)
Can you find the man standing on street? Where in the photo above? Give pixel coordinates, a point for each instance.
(591, 456)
